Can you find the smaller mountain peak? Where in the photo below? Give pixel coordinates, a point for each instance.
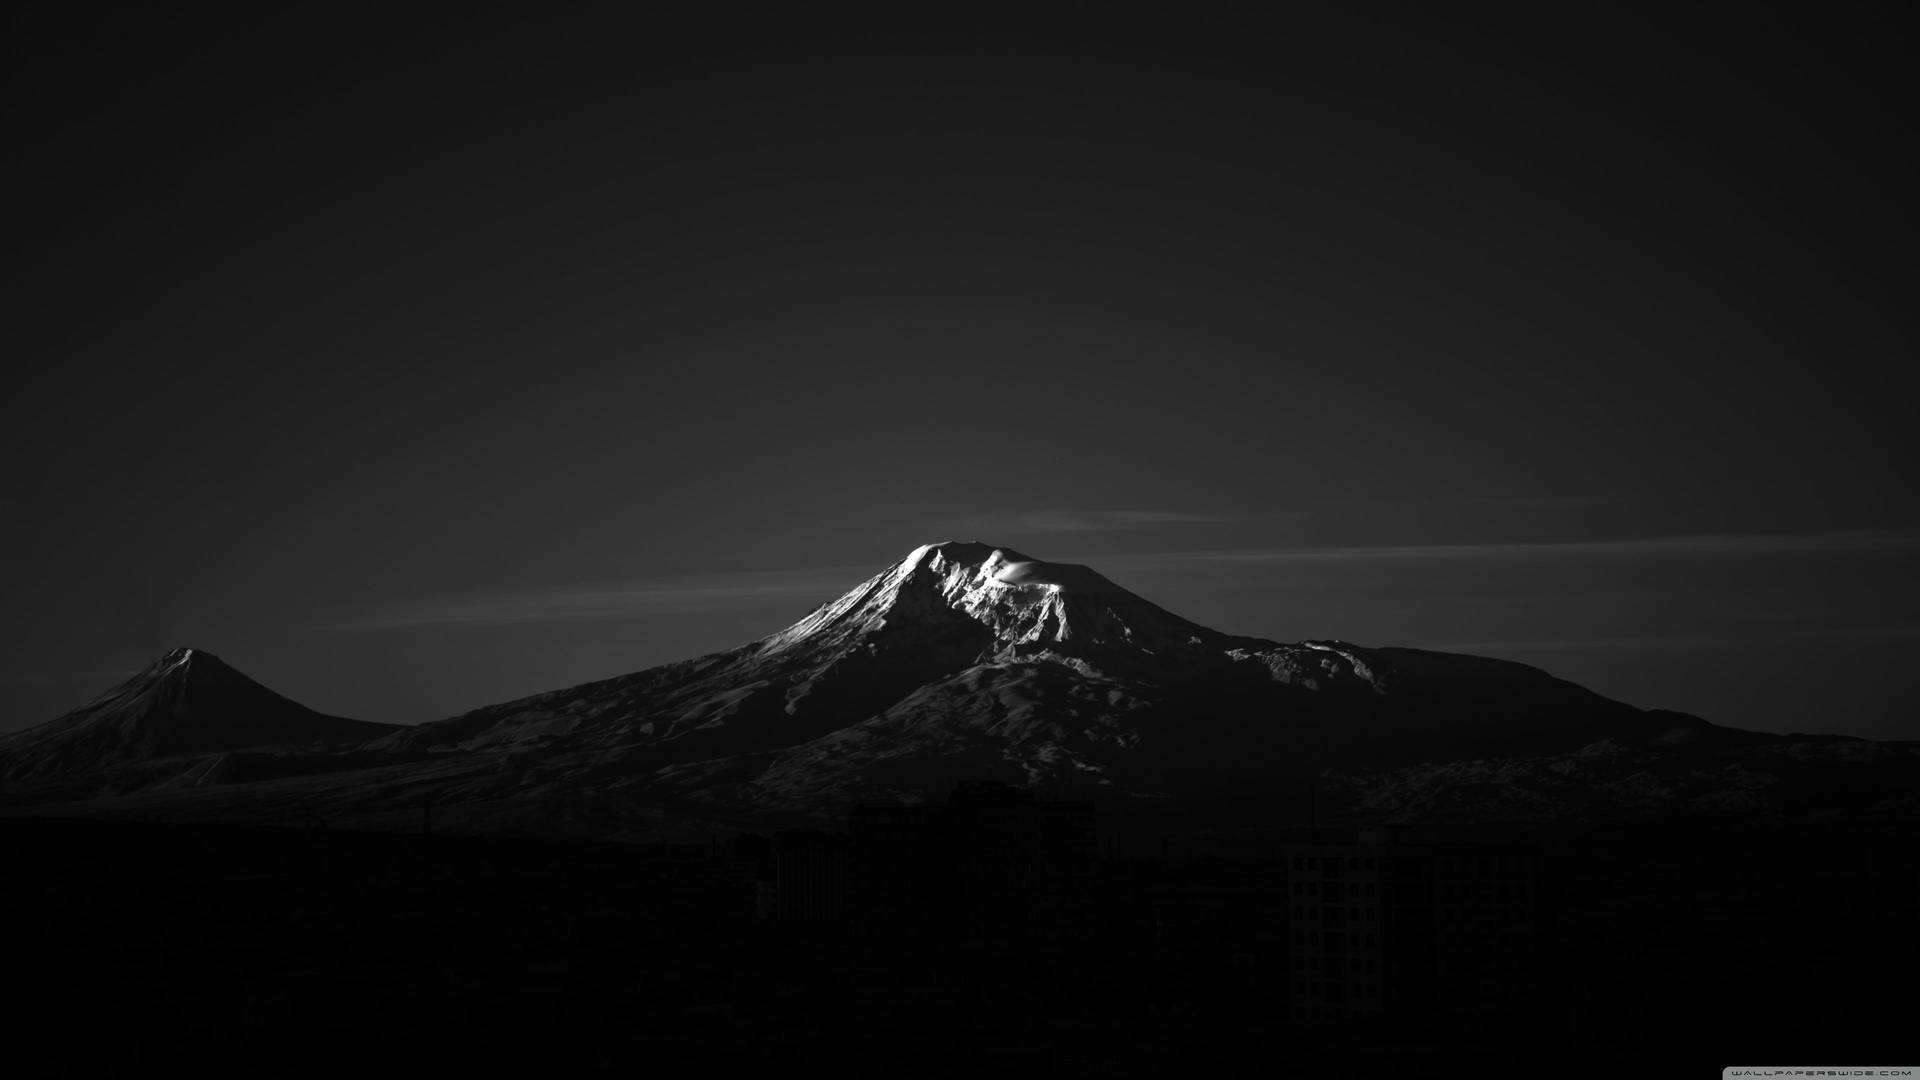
(187, 702)
(183, 661)
(186, 654)
(174, 662)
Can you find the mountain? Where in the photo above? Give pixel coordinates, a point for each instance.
(187, 704)
(964, 661)
(969, 659)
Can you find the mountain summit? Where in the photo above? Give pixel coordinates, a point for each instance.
(963, 660)
(1018, 602)
(971, 659)
(188, 702)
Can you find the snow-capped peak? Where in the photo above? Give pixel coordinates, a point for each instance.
(1018, 599)
(184, 661)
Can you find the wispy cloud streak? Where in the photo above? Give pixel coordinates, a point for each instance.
(1712, 544)
(612, 601)
(1598, 644)
(1060, 521)
(609, 601)
(1904, 632)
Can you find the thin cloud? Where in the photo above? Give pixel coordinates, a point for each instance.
(1808, 543)
(1057, 521)
(612, 601)
(1612, 644)
(1547, 502)
(62, 677)
(1609, 644)
(1871, 633)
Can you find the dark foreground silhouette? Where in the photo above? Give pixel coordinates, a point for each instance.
(962, 935)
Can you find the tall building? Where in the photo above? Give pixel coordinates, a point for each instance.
(1412, 924)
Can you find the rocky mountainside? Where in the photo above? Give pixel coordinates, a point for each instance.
(1754, 779)
(962, 660)
(188, 703)
(968, 659)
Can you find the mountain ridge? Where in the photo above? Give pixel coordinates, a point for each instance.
(969, 656)
(186, 703)
(965, 660)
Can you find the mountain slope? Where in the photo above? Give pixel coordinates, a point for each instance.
(187, 703)
(1757, 778)
(960, 661)
(964, 658)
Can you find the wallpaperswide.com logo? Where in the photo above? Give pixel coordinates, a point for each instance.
(1758, 1072)
(1798, 1071)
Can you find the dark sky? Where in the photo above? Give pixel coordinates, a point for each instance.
(413, 364)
